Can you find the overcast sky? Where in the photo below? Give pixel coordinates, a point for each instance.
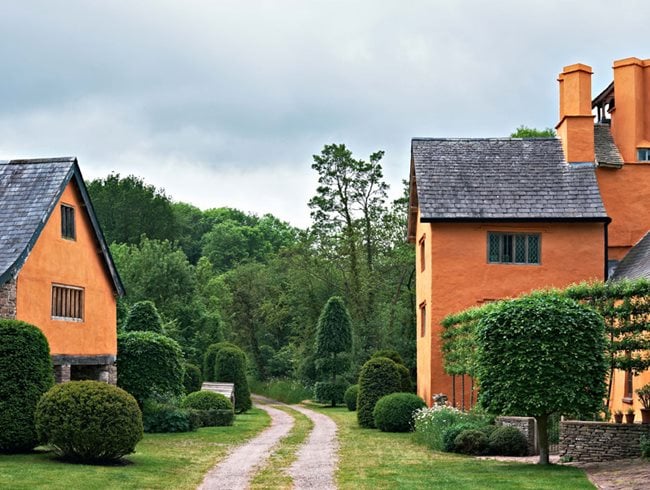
(223, 103)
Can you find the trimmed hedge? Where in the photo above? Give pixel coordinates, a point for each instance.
(25, 374)
(150, 365)
(89, 421)
(508, 441)
(230, 367)
(379, 377)
(160, 417)
(394, 412)
(391, 354)
(206, 400)
(192, 378)
(328, 392)
(471, 441)
(450, 433)
(350, 397)
(143, 317)
(405, 376)
(210, 357)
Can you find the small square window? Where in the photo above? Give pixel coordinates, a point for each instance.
(67, 303)
(67, 222)
(513, 248)
(643, 154)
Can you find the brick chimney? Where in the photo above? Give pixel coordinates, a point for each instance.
(631, 113)
(576, 126)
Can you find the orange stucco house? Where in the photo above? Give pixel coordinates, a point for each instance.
(56, 271)
(494, 218)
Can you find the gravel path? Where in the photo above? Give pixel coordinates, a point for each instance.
(236, 470)
(317, 457)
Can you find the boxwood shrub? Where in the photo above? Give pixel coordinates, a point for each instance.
(326, 392)
(450, 433)
(150, 365)
(25, 374)
(508, 441)
(230, 367)
(89, 421)
(210, 357)
(471, 441)
(350, 397)
(167, 417)
(379, 377)
(394, 412)
(206, 400)
(192, 378)
(143, 317)
(405, 376)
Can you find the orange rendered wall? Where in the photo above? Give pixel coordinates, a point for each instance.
(458, 276)
(618, 387)
(69, 262)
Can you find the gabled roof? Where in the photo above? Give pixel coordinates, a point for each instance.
(636, 264)
(509, 179)
(607, 154)
(29, 192)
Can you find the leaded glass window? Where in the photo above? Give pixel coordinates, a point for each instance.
(517, 248)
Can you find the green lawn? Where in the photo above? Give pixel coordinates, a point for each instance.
(374, 460)
(164, 461)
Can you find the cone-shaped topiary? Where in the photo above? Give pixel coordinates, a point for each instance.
(209, 358)
(350, 397)
(394, 412)
(143, 317)
(89, 421)
(25, 374)
(379, 377)
(230, 366)
(192, 378)
(149, 365)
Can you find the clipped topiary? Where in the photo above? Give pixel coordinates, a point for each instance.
(206, 400)
(210, 357)
(391, 354)
(350, 397)
(25, 374)
(230, 367)
(149, 365)
(89, 421)
(192, 378)
(394, 412)
(166, 417)
(328, 392)
(450, 433)
(471, 441)
(379, 377)
(143, 317)
(508, 441)
(405, 376)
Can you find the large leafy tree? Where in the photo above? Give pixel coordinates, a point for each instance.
(333, 337)
(541, 354)
(127, 208)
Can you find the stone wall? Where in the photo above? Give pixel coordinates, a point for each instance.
(526, 426)
(8, 299)
(589, 442)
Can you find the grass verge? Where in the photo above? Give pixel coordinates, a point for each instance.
(274, 473)
(370, 459)
(162, 461)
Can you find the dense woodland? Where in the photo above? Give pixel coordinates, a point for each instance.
(224, 274)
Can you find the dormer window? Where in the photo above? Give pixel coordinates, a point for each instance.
(67, 222)
(643, 154)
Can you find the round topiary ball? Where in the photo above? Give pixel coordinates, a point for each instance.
(89, 421)
(508, 441)
(192, 378)
(379, 377)
(149, 365)
(25, 374)
(143, 317)
(394, 412)
(350, 397)
(206, 400)
(210, 357)
(230, 366)
(471, 441)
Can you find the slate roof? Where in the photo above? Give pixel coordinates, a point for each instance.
(510, 179)
(29, 191)
(607, 153)
(636, 264)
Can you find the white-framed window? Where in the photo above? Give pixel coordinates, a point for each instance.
(643, 154)
(513, 248)
(67, 303)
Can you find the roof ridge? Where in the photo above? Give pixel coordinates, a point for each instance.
(507, 138)
(22, 161)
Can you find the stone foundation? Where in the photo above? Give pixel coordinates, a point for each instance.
(591, 442)
(525, 425)
(8, 299)
(79, 368)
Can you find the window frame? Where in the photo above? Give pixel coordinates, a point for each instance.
(643, 154)
(68, 222)
(526, 236)
(75, 303)
(422, 245)
(423, 319)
